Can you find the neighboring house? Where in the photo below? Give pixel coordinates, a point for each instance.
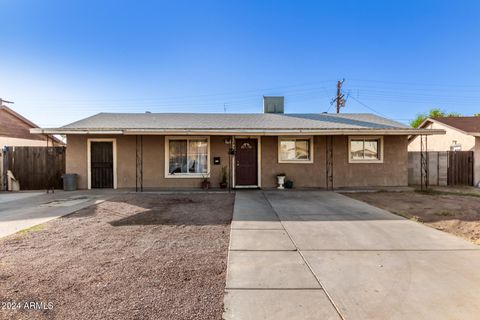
(460, 134)
(15, 131)
(175, 150)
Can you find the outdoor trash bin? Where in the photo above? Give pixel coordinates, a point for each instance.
(69, 181)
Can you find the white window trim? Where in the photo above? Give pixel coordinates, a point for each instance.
(350, 138)
(89, 159)
(185, 175)
(310, 138)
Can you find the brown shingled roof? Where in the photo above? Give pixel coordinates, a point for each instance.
(467, 124)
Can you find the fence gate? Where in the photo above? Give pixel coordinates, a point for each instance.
(36, 167)
(460, 168)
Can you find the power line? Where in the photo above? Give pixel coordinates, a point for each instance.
(303, 92)
(331, 104)
(398, 93)
(299, 95)
(368, 107)
(307, 86)
(415, 83)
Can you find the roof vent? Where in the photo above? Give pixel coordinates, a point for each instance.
(273, 104)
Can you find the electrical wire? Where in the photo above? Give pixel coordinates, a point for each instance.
(368, 107)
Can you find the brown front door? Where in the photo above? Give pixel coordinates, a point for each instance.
(101, 164)
(246, 162)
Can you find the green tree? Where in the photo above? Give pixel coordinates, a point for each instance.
(433, 113)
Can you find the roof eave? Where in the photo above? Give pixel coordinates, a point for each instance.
(266, 132)
(73, 131)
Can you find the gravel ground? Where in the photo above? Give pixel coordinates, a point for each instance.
(135, 256)
(458, 213)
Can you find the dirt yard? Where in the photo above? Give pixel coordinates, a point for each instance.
(457, 213)
(145, 256)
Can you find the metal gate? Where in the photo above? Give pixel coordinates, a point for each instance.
(460, 168)
(102, 164)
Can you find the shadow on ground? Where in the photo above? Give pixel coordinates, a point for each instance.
(174, 210)
(161, 256)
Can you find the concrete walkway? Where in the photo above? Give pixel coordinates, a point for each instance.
(21, 210)
(321, 255)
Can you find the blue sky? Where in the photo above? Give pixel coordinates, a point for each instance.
(64, 60)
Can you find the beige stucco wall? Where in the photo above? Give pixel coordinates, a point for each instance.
(154, 164)
(476, 161)
(76, 158)
(18, 142)
(302, 175)
(153, 161)
(392, 172)
(443, 142)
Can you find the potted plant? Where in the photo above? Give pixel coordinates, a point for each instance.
(205, 182)
(280, 180)
(288, 184)
(223, 178)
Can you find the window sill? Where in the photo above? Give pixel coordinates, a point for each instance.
(187, 176)
(365, 161)
(296, 161)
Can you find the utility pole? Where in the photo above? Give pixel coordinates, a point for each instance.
(340, 99)
(5, 101)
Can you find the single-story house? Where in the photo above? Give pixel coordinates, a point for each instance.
(179, 150)
(15, 132)
(462, 134)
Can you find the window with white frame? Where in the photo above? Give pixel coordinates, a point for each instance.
(365, 149)
(295, 150)
(187, 157)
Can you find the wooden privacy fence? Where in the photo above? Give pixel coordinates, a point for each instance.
(444, 168)
(35, 167)
(460, 168)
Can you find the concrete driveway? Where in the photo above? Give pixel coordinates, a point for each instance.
(321, 255)
(21, 210)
